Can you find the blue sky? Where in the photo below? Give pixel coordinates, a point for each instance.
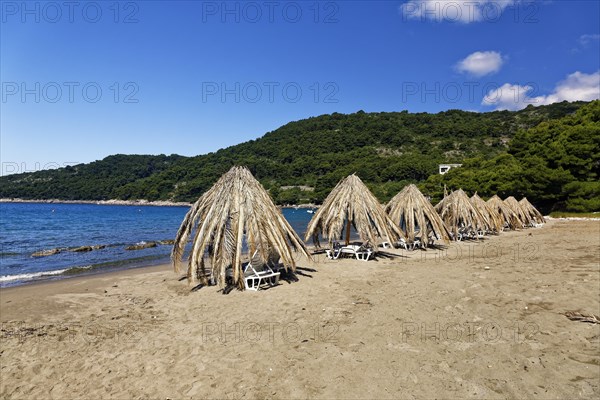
(83, 81)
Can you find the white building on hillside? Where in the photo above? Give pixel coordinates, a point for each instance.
(447, 167)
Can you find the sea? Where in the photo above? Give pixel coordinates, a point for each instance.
(27, 228)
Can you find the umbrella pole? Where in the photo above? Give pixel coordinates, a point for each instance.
(348, 225)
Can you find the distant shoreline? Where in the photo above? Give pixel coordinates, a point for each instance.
(161, 203)
(114, 202)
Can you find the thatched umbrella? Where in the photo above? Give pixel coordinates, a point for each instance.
(411, 210)
(494, 220)
(349, 204)
(516, 207)
(532, 213)
(509, 217)
(458, 213)
(236, 212)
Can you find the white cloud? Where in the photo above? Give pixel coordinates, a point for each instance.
(508, 97)
(464, 11)
(586, 39)
(577, 86)
(481, 63)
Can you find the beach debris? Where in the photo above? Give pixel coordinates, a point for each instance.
(45, 253)
(486, 268)
(577, 316)
(18, 330)
(141, 246)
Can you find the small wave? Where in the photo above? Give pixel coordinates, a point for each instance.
(113, 265)
(35, 275)
(76, 270)
(23, 277)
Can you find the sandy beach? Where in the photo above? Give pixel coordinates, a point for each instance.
(478, 320)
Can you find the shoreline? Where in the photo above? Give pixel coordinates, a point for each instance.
(571, 218)
(115, 202)
(85, 274)
(70, 274)
(43, 261)
(167, 203)
(68, 283)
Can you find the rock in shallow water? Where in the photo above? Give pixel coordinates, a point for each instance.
(141, 246)
(82, 249)
(44, 253)
(88, 248)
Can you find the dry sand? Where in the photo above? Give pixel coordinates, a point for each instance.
(418, 325)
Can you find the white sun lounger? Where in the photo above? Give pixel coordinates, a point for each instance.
(333, 254)
(256, 272)
(408, 246)
(359, 252)
(402, 243)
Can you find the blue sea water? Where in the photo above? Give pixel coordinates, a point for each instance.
(26, 228)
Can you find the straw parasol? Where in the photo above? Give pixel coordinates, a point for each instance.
(532, 213)
(458, 213)
(350, 203)
(516, 207)
(509, 217)
(235, 214)
(494, 220)
(411, 211)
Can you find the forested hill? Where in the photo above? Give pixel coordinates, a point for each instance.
(555, 164)
(300, 161)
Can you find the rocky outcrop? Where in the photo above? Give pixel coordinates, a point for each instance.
(82, 249)
(167, 242)
(45, 253)
(141, 246)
